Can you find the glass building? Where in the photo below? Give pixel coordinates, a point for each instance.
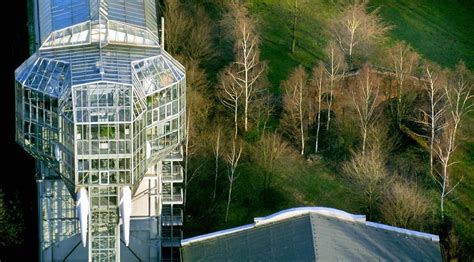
(101, 107)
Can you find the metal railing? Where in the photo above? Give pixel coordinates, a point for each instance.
(174, 174)
(172, 198)
(176, 219)
(171, 238)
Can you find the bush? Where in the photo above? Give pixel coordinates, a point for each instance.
(405, 206)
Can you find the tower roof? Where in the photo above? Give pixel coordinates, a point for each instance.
(55, 15)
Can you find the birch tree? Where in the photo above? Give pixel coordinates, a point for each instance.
(217, 152)
(232, 159)
(248, 71)
(230, 94)
(355, 27)
(403, 60)
(295, 11)
(459, 100)
(295, 107)
(364, 97)
(433, 115)
(334, 69)
(317, 85)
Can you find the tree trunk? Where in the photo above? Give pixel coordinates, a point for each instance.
(217, 164)
(295, 20)
(330, 104)
(317, 131)
(364, 139)
(301, 118)
(443, 189)
(432, 139)
(236, 113)
(350, 50)
(228, 199)
(399, 103)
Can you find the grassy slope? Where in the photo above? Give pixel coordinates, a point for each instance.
(441, 30)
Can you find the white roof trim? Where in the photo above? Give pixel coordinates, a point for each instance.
(403, 231)
(282, 215)
(325, 211)
(215, 234)
(293, 212)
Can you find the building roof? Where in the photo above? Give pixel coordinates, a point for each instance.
(54, 15)
(309, 234)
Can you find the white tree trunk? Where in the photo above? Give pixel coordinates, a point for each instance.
(216, 163)
(229, 198)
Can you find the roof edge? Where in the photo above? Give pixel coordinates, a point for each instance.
(325, 211)
(299, 211)
(215, 234)
(282, 215)
(404, 231)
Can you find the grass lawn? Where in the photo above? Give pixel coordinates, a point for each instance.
(440, 30)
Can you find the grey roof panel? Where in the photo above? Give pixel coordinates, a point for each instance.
(289, 240)
(343, 240)
(312, 236)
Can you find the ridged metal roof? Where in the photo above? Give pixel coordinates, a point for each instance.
(313, 236)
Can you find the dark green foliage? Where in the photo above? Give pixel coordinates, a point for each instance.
(11, 221)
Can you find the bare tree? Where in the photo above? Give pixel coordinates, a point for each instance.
(249, 71)
(403, 59)
(262, 110)
(295, 10)
(177, 25)
(216, 149)
(229, 95)
(368, 174)
(188, 31)
(459, 103)
(355, 27)
(335, 68)
(364, 97)
(405, 206)
(232, 159)
(432, 117)
(197, 110)
(317, 85)
(268, 152)
(198, 43)
(295, 108)
(459, 96)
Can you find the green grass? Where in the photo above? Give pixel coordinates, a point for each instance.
(440, 30)
(274, 20)
(460, 205)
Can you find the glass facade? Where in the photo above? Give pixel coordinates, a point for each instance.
(102, 108)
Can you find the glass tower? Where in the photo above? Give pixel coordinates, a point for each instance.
(101, 107)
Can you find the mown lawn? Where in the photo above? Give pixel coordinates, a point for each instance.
(440, 30)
